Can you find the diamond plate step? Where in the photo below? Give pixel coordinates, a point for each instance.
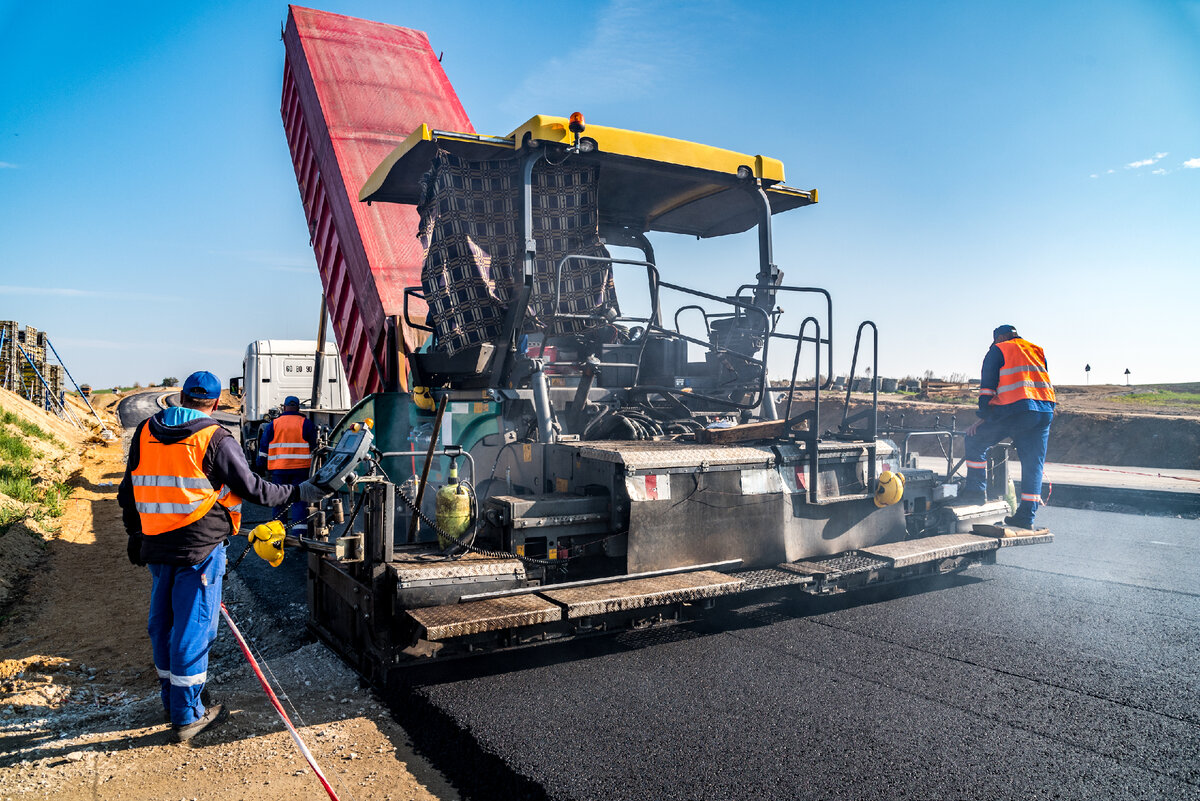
(769, 578)
(618, 596)
(928, 549)
(492, 614)
(833, 567)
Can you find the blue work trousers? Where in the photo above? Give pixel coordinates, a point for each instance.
(1029, 431)
(293, 478)
(185, 607)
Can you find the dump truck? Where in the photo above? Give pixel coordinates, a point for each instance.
(533, 458)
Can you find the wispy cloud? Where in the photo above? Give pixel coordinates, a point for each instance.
(1192, 164)
(636, 48)
(1146, 162)
(7, 165)
(69, 292)
(279, 262)
(1149, 162)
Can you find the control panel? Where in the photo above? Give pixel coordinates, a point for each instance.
(347, 455)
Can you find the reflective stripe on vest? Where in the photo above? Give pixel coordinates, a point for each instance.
(288, 450)
(1023, 375)
(170, 489)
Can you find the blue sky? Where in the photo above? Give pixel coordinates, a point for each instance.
(979, 163)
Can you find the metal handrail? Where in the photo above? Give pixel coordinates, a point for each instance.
(828, 321)
(874, 379)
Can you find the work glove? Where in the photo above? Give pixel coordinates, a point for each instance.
(311, 493)
(267, 540)
(134, 550)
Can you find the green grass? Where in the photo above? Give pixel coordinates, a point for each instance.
(1157, 397)
(107, 391)
(54, 499)
(16, 483)
(16, 478)
(13, 448)
(26, 427)
(8, 516)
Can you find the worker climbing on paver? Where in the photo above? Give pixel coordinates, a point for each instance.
(285, 448)
(1016, 400)
(181, 499)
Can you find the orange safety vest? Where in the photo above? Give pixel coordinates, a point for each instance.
(288, 450)
(1023, 375)
(170, 489)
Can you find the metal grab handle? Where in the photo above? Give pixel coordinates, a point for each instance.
(815, 290)
(874, 377)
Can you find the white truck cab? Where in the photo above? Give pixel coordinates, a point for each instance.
(276, 368)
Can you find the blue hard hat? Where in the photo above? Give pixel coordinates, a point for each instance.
(1004, 331)
(202, 385)
(291, 400)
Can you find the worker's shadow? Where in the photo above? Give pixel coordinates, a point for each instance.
(50, 746)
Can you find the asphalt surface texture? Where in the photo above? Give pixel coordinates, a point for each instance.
(1066, 671)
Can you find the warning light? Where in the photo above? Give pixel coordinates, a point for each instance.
(356, 427)
(369, 423)
(575, 124)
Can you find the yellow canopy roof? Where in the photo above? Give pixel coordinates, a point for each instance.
(647, 182)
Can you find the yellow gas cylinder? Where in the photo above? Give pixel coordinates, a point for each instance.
(453, 508)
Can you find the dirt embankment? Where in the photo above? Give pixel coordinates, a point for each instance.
(80, 714)
(1092, 425)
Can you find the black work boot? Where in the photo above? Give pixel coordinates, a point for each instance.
(212, 716)
(205, 701)
(1017, 522)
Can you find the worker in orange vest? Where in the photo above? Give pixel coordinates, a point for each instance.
(181, 499)
(285, 447)
(1016, 400)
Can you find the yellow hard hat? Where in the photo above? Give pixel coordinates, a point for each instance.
(268, 542)
(424, 399)
(889, 488)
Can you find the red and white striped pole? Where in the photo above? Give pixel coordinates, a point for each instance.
(278, 707)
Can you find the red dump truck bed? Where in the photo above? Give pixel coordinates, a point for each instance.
(352, 91)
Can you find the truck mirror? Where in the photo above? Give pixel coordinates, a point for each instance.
(235, 386)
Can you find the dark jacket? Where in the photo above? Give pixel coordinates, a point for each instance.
(989, 379)
(224, 465)
(268, 433)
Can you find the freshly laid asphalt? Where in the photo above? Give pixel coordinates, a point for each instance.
(1064, 671)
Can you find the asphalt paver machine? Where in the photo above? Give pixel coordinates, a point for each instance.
(555, 461)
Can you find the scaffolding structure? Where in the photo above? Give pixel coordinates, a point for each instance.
(32, 368)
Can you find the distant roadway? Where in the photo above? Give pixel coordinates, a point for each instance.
(136, 408)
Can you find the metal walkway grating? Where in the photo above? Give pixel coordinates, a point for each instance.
(843, 564)
(769, 578)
